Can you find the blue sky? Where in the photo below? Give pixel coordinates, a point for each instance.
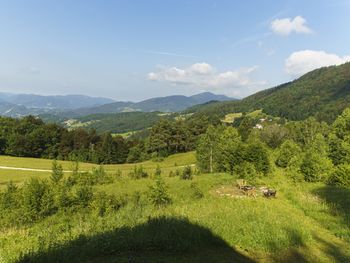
(132, 50)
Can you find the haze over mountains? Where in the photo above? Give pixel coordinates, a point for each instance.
(17, 105)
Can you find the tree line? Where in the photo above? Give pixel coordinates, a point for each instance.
(31, 137)
(308, 150)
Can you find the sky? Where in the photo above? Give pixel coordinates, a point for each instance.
(133, 50)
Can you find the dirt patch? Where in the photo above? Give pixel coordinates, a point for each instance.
(229, 191)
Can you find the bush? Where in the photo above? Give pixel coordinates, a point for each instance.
(158, 193)
(287, 151)
(37, 200)
(245, 170)
(196, 192)
(257, 154)
(158, 171)
(293, 169)
(316, 167)
(63, 197)
(138, 173)
(340, 176)
(83, 196)
(100, 176)
(96, 176)
(103, 203)
(186, 173)
(57, 172)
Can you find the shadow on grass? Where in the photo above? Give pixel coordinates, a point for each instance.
(339, 199)
(158, 240)
(301, 252)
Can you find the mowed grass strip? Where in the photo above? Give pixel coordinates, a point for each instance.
(171, 163)
(180, 159)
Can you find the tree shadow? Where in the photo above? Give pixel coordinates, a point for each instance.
(303, 251)
(339, 200)
(159, 240)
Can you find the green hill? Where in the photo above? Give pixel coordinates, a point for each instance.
(118, 122)
(322, 93)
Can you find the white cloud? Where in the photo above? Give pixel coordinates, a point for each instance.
(172, 74)
(301, 62)
(201, 68)
(203, 75)
(286, 26)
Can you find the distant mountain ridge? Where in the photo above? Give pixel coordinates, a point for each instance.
(17, 105)
(53, 102)
(174, 103)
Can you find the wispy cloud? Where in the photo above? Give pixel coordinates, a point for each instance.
(268, 21)
(251, 39)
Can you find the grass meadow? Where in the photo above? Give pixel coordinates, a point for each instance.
(306, 222)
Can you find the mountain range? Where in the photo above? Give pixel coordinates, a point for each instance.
(17, 105)
(173, 103)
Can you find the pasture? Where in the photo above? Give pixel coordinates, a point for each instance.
(306, 222)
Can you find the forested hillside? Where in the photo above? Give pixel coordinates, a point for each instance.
(323, 93)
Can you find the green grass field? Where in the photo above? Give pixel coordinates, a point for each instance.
(307, 222)
(230, 118)
(169, 164)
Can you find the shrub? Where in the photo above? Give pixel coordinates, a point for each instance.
(63, 197)
(186, 173)
(57, 172)
(103, 203)
(158, 193)
(340, 176)
(293, 169)
(83, 195)
(245, 170)
(158, 171)
(196, 192)
(37, 200)
(257, 154)
(9, 199)
(138, 173)
(316, 167)
(287, 151)
(100, 176)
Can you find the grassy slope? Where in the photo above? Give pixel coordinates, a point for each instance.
(323, 93)
(170, 163)
(306, 223)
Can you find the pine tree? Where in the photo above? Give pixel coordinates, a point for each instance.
(57, 172)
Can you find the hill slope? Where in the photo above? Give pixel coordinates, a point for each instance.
(322, 93)
(164, 104)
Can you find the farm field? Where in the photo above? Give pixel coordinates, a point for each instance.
(306, 222)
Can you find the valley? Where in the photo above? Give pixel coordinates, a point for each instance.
(174, 131)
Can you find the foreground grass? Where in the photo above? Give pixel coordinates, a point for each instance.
(305, 223)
